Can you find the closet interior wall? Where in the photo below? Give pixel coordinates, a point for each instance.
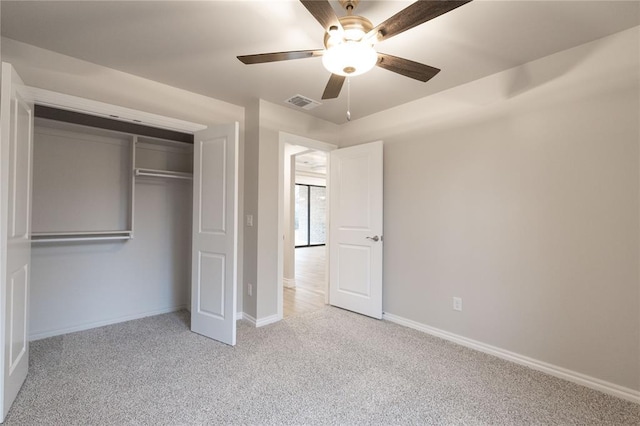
(94, 184)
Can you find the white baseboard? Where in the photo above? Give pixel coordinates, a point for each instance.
(249, 318)
(262, 321)
(96, 324)
(239, 316)
(553, 370)
(268, 320)
(289, 282)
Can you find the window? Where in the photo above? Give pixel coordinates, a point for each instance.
(310, 215)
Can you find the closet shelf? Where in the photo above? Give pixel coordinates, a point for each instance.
(163, 174)
(60, 237)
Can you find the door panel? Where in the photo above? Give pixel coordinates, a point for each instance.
(355, 244)
(212, 182)
(214, 251)
(356, 279)
(211, 297)
(16, 143)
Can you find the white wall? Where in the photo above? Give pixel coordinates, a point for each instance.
(519, 193)
(52, 71)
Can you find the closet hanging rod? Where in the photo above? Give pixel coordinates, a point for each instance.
(163, 173)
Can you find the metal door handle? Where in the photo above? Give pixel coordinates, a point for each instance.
(374, 238)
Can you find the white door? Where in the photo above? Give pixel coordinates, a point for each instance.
(16, 142)
(215, 233)
(355, 229)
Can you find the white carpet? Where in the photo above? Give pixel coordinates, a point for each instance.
(327, 367)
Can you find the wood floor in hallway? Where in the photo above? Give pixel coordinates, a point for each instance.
(310, 278)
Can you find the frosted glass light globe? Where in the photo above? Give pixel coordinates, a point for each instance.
(350, 58)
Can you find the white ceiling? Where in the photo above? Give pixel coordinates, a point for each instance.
(193, 45)
(312, 162)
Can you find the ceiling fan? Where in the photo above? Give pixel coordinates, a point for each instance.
(349, 41)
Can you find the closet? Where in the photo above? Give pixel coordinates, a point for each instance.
(106, 220)
(111, 224)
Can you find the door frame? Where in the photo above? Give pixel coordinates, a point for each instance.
(313, 144)
(110, 111)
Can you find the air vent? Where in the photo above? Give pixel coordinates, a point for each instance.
(303, 102)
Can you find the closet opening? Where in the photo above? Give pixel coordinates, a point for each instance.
(111, 221)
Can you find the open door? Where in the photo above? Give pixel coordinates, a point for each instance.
(215, 233)
(355, 229)
(16, 142)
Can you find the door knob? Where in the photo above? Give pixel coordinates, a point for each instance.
(375, 238)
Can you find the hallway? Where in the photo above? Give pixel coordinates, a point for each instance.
(309, 294)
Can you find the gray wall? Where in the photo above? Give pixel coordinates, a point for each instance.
(520, 193)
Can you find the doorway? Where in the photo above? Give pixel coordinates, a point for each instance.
(307, 294)
(303, 285)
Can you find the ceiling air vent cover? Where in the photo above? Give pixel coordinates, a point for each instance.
(303, 102)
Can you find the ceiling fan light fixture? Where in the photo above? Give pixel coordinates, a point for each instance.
(350, 58)
(354, 34)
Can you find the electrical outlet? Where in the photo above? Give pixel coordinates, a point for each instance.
(457, 303)
(250, 289)
(249, 220)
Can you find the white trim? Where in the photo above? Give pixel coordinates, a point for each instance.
(249, 318)
(96, 324)
(553, 370)
(239, 316)
(261, 322)
(101, 109)
(312, 144)
(289, 282)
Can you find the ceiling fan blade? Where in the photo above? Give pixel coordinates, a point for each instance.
(279, 56)
(323, 12)
(406, 67)
(333, 86)
(412, 16)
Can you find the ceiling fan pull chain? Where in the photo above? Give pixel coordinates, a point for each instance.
(348, 99)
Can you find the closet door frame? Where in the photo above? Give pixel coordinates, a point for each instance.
(101, 109)
(73, 103)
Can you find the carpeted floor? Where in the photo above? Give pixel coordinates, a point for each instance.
(326, 367)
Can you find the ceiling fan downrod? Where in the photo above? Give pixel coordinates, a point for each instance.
(349, 5)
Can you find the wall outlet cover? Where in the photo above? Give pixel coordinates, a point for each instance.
(457, 304)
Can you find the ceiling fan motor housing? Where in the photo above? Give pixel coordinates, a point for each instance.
(355, 27)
